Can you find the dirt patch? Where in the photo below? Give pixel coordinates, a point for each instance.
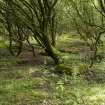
(94, 76)
(28, 58)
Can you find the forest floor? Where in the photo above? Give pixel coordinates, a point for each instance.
(28, 80)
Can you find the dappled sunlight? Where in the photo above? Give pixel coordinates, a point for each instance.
(32, 70)
(68, 37)
(97, 95)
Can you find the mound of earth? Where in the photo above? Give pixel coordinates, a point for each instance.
(94, 75)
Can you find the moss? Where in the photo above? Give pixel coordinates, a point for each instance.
(61, 68)
(82, 68)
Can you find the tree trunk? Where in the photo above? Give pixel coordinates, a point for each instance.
(53, 33)
(51, 50)
(53, 54)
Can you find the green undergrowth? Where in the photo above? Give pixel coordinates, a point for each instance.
(39, 86)
(22, 83)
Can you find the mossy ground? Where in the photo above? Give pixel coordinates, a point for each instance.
(29, 80)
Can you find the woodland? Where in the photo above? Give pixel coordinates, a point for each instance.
(52, 52)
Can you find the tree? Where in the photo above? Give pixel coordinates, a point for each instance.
(36, 16)
(88, 23)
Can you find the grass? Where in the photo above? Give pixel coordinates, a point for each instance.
(26, 84)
